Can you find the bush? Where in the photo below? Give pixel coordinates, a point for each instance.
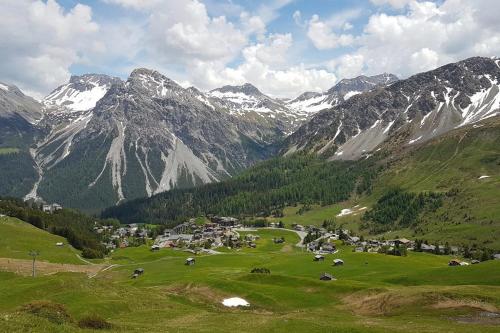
(261, 270)
(94, 322)
(53, 312)
(92, 254)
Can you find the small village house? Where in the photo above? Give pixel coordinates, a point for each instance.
(326, 277)
(190, 261)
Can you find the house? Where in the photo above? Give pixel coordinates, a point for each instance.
(190, 261)
(328, 248)
(139, 271)
(50, 208)
(338, 262)
(454, 262)
(224, 221)
(59, 244)
(496, 256)
(403, 241)
(427, 248)
(475, 261)
(319, 257)
(326, 277)
(155, 247)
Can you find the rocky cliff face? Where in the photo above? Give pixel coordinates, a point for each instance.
(309, 103)
(144, 136)
(418, 109)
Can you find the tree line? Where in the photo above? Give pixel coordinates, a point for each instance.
(260, 191)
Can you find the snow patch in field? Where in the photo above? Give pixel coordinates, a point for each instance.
(483, 177)
(344, 212)
(235, 302)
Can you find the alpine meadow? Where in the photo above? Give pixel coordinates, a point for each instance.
(250, 166)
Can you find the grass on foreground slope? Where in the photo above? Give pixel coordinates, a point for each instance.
(373, 293)
(17, 238)
(454, 162)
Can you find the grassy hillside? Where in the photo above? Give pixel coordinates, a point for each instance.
(18, 238)
(373, 293)
(452, 164)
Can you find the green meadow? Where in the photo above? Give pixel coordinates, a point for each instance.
(17, 238)
(371, 293)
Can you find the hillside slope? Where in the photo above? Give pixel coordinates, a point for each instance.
(18, 238)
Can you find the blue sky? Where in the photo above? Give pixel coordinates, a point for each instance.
(284, 47)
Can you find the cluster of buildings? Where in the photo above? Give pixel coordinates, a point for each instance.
(120, 237)
(219, 232)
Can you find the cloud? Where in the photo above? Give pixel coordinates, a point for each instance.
(393, 3)
(328, 34)
(265, 66)
(426, 36)
(39, 41)
(347, 66)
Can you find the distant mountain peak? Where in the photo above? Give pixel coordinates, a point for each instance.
(81, 93)
(247, 89)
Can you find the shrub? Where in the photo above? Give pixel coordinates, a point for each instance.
(261, 270)
(53, 312)
(94, 322)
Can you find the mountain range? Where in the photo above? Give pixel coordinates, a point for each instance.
(98, 141)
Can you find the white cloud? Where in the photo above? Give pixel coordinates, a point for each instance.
(393, 3)
(328, 34)
(323, 36)
(39, 42)
(428, 35)
(265, 66)
(347, 66)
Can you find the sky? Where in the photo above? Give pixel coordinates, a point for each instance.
(283, 47)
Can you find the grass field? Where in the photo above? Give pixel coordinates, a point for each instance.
(6, 150)
(17, 238)
(372, 293)
(315, 216)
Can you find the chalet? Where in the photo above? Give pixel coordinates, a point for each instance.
(326, 277)
(139, 271)
(155, 247)
(475, 261)
(224, 221)
(51, 208)
(319, 257)
(402, 241)
(338, 262)
(428, 248)
(299, 227)
(190, 261)
(454, 262)
(327, 248)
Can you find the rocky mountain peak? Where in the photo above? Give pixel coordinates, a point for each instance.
(247, 89)
(81, 93)
(152, 83)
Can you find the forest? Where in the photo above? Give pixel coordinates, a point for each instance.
(262, 190)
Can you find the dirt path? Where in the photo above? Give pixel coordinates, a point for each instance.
(24, 267)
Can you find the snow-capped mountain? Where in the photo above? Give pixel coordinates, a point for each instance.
(98, 140)
(144, 136)
(81, 92)
(248, 102)
(418, 109)
(310, 103)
